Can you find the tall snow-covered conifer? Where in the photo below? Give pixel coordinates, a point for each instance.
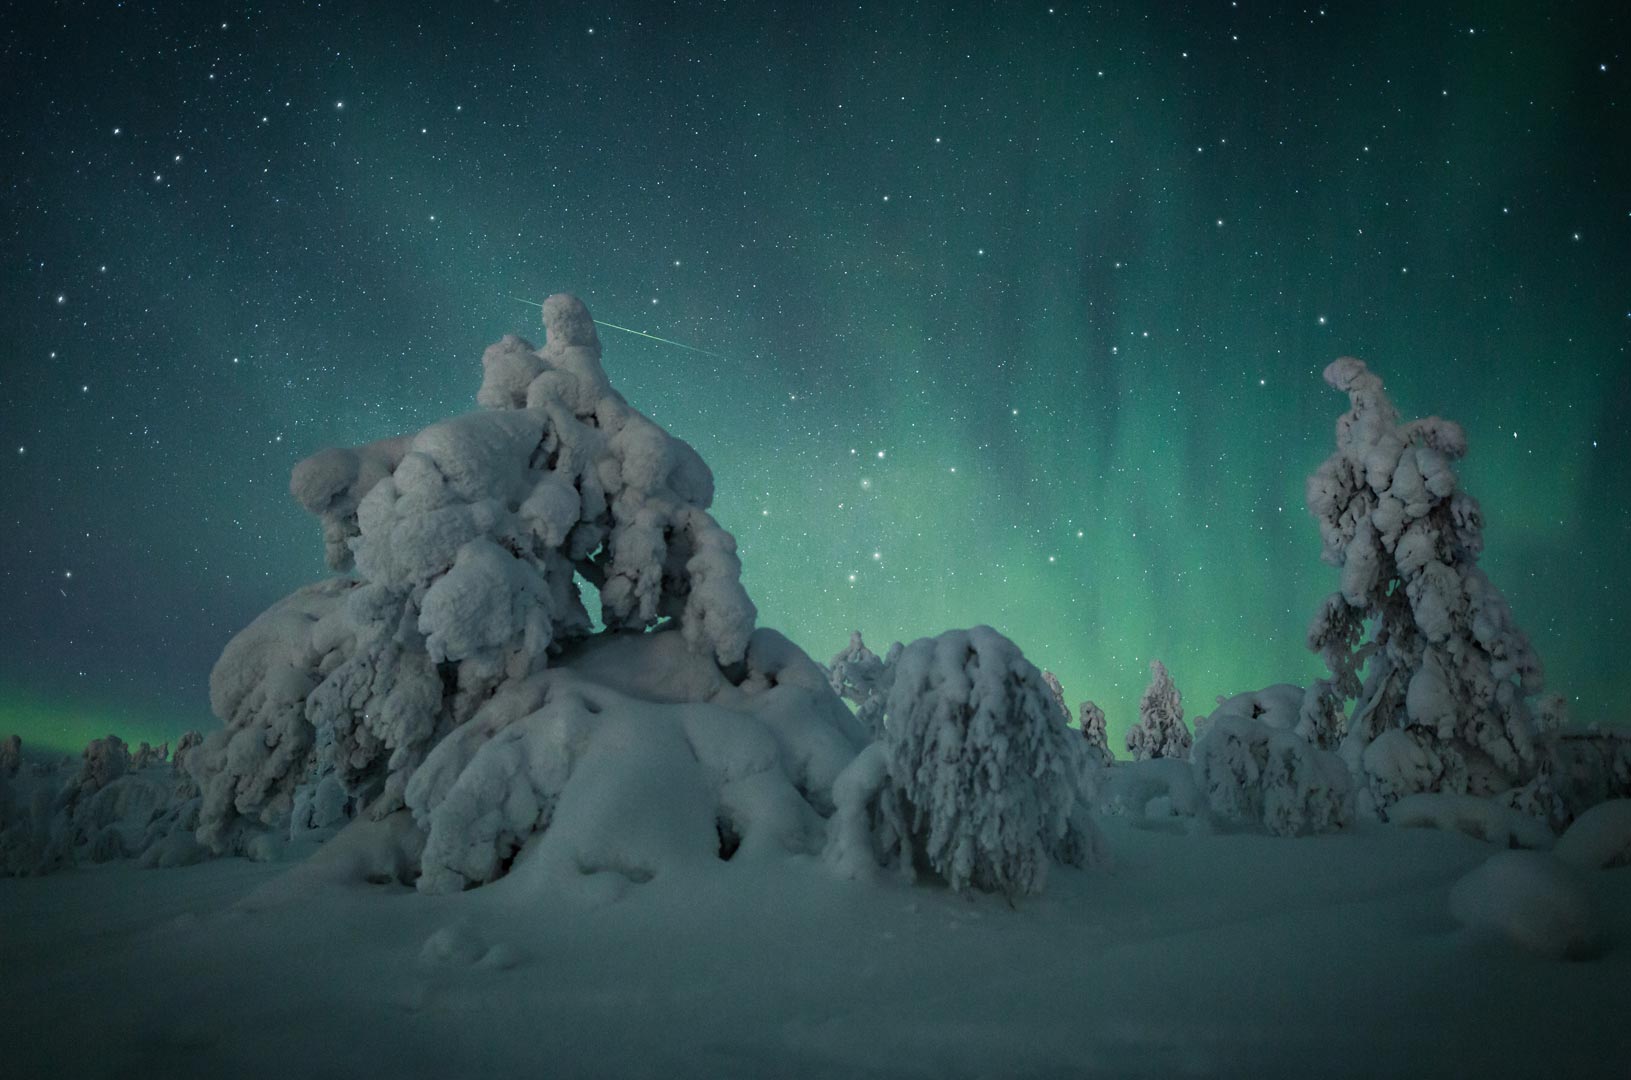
(1160, 731)
(1445, 702)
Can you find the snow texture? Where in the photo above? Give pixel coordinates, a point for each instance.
(468, 540)
(987, 769)
(1530, 899)
(1599, 839)
(1447, 668)
(1160, 731)
(1255, 769)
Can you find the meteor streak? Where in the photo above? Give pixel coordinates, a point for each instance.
(639, 333)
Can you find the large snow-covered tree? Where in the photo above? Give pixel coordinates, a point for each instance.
(468, 541)
(1160, 731)
(1445, 703)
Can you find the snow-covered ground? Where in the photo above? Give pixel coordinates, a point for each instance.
(1193, 953)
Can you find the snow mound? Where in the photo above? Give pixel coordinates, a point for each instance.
(1253, 768)
(468, 539)
(1599, 839)
(618, 778)
(1482, 819)
(1155, 789)
(1530, 899)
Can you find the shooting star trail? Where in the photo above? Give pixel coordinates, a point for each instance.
(638, 333)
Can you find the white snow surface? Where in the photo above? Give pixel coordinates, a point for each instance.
(1532, 900)
(1230, 954)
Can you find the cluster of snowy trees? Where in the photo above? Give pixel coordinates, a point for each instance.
(450, 680)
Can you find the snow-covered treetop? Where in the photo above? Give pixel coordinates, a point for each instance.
(558, 474)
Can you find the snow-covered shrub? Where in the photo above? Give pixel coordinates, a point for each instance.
(1094, 736)
(1589, 767)
(468, 540)
(1253, 768)
(1160, 731)
(1446, 667)
(858, 675)
(986, 768)
(107, 805)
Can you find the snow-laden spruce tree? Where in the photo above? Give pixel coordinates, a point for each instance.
(1160, 731)
(858, 675)
(977, 774)
(468, 540)
(1094, 735)
(1449, 676)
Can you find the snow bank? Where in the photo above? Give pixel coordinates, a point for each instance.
(1483, 819)
(1532, 900)
(616, 780)
(1155, 789)
(1600, 838)
(468, 540)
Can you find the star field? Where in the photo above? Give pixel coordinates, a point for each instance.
(1009, 315)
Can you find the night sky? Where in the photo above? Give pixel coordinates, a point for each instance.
(1018, 311)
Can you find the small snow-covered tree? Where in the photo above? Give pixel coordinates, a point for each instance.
(468, 540)
(859, 676)
(1094, 735)
(1449, 676)
(1160, 731)
(986, 768)
(11, 755)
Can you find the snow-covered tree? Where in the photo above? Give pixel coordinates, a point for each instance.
(1445, 704)
(1254, 767)
(1094, 735)
(858, 675)
(468, 540)
(1160, 731)
(984, 763)
(11, 755)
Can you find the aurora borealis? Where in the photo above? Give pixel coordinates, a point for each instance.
(1017, 312)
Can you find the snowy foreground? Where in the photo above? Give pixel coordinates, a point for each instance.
(1191, 954)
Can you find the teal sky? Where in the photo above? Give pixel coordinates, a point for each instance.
(1019, 311)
